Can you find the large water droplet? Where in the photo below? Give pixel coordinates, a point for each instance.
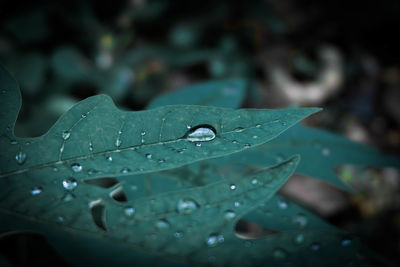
(279, 253)
(162, 224)
(36, 190)
(20, 157)
(300, 219)
(201, 133)
(186, 206)
(129, 211)
(69, 184)
(76, 167)
(65, 135)
(229, 214)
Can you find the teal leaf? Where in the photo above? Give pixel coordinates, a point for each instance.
(224, 93)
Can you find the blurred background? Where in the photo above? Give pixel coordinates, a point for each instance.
(340, 55)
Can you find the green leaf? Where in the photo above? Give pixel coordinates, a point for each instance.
(224, 93)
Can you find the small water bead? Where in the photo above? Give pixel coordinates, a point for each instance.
(236, 204)
(315, 246)
(125, 170)
(300, 220)
(60, 219)
(55, 169)
(20, 157)
(201, 134)
(279, 253)
(188, 127)
(212, 241)
(198, 144)
(299, 239)
(283, 123)
(232, 187)
(346, 242)
(149, 156)
(220, 238)
(129, 211)
(118, 142)
(255, 136)
(84, 116)
(36, 190)
(161, 160)
(229, 214)
(239, 129)
(143, 133)
(162, 224)
(282, 204)
(109, 158)
(178, 235)
(247, 145)
(186, 206)
(254, 182)
(13, 142)
(326, 152)
(235, 142)
(68, 197)
(69, 184)
(92, 171)
(76, 167)
(258, 125)
(65, 135)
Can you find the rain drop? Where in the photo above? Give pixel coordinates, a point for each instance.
(125, 170)
(20, 157)
(254, 182)
(299, 239)
(186, 206)
(236, 204)
(239, 129)
(13, 142)
(282, 204)
(118, 142)
(65, 135)
(162, 224)
(258, 125)
(232, 187)
(201, 134)
(229, 214)
(76, 167)
(129, 211)
(279, 253)
(83, 116)
(109, 158)
(234, 141)
(69, 184)
(326, 152)
(148, 156)
(198, 144)
(60, 219)
(143, 133)
(220, 238)
(36, 190)
(300, 220)
(178, 235)
(212, 240)
(247, 145)
(161, 160)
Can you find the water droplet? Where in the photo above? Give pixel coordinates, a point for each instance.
(236, 204)
(235, 142)
(180, 151)
(299, 239)
(76, 167)
(201, 134)
(129, 211)
(69, 184)
(198, 144)
(162, 224)
(68, 197)
(326, 152)
(20, 157)
(60, 219)
(178, 234)
(279, 253)
(220, 238)
(255, 136)
(315, 246)
(232, 187)
(109, 158)
(258, 125)
(229, 214)
(13, 142)
(143, 133)
(36, 190)
(148, 156)
(118, 142)
(186, 206)
(92, 171)
(254, 182)
(212, 240)
(65, 135)
(125, 170)
(188, 126)
(300, 220)
(283, 123)
(55, 169)
(282, 204)
(248, 244)
(161, 160)
(247, 145)
(346, 242)
(239, 129)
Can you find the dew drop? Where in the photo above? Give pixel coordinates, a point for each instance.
(68, 197)
(279, 253)
(239, 129)
(235, 142)
(162, 224)
(118, 142)
(188, 126)
(236, 204)
(161, 160)
(254, 182)
(247, 145)
(315, 246)
(201, 133)
(76, 167)
(178, 235)
(326, 152)
(198, 144)
(220, 238)
(283, 123)
(212, 240)
(69, 184)
(232, 187)
(60, 219)
(65, 135)
(13, 142)
(20, 157)
(36, 190)
(143, 133)
(300, 220)
(149, 156)
(299, 239)
(109, 158)
(346, 242)
(186, 206)
(84, 116)
(229, 214)
(125, 170)
(255, 136)
(282, 204)
(258, 125)
(129, 211)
